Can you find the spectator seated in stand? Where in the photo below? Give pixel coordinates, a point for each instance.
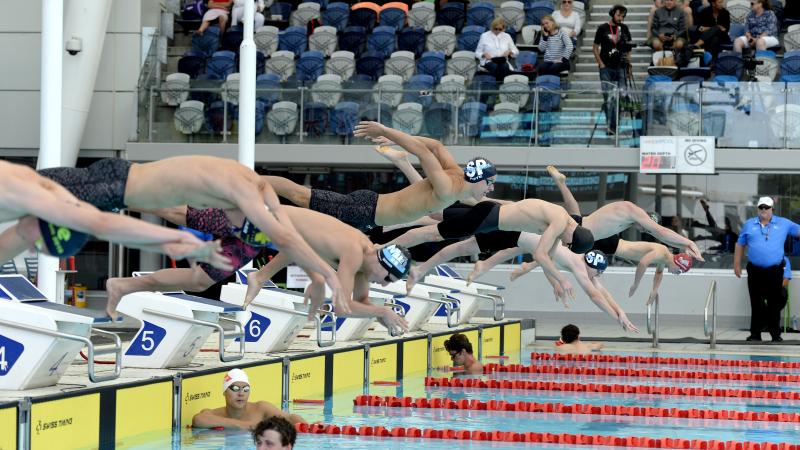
(668, 28)
(713, 24)
(761, 28)
(687, 10)
(237, 13)
(218, 10)
(568, 21)
(494, 49)
(557, 47)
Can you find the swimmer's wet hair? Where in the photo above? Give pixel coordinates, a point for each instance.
(458, 342)
(569, 333)
(279, 424)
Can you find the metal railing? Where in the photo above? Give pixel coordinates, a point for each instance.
(710, 325)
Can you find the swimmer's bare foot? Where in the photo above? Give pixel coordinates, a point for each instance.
(115, 290)
(392, 154)
(477, 270)
(413, 278)
(253, 288)
(557, 176)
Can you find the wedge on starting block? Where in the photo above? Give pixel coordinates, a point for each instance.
(175, 326)
(447, 277)
(39, 339)
(421, 304)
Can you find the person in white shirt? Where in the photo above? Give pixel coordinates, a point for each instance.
(237, 13)
(557, 48)
(494, 49)
(568, 20)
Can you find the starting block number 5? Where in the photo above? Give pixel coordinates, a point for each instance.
(148, 339)
(10, 351)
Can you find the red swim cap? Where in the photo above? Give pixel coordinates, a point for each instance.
(683, 261)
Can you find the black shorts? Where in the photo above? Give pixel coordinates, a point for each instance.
(608, 245)
(497, 240)
(356, 209)
(578, 218)
(102, 184)
(421, 252)
(461, 223)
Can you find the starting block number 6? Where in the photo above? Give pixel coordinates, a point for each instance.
(256, 327)
(10, 351)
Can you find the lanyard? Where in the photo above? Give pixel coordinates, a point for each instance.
(614, 36)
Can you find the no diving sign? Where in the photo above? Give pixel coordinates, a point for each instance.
(695, 154)
(677, 154)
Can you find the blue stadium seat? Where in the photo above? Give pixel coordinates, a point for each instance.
(729, 63)
(353, 39)
(370, 64)
(452, 14)
(336, 15)
(412, 39)
(790, 66)
(439, 120)
(344, 118)
(293, 39)
(268, 81)
(208, 42)
(261, 112)
(376, 112)
(470, 118)
(204, 89)
(549, 96)
(282, 9)
(358, 89)
(469, 37)
(481, 83)
(192, 63)
(537, 10)
(363, 17)
(310, 66)
(232, 39)
(221, 64)
(393, 17)
(722, 79)
(419, 89)
(526, 57)
(322, 3)
(216, 119)
(511, 32)
(261, 62)
(480, 14)
(382, 40)
(316, 119)
(433, 64)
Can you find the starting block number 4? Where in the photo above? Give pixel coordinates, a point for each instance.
(148, 339)
(10, 351)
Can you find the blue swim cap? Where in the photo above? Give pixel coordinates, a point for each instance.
(60, 241)
(396, 259)
(597, 260)
(479, 169)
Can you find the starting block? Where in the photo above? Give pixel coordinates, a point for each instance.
(470, 294)
(421, 304)
(173, 328)
(274, 318)
(40, 339)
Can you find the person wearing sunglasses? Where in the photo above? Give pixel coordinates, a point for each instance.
(239, 412)
(569, 21)
(763, 237)
(494, 49)
(357, 260)
(761, 28)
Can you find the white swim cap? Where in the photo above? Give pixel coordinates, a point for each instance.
(233, 376)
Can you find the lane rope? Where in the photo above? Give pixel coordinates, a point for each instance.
(539, 356)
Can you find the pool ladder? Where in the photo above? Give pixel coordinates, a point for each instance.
(710, 325)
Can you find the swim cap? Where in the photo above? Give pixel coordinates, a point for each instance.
(60, 241)
(396, 259)
(479, 169)
(582, 240)
(597, 260)
(251, 235)
(197, 233)
(233, 376)
(655, 216)
(683, 261)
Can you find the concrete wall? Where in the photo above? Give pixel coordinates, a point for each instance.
(682, 297)
(112, 115)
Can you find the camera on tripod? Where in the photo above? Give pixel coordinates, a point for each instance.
(750, 62)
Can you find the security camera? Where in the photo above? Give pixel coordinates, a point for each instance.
(74, 46)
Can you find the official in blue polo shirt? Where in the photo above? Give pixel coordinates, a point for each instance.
(764, 237)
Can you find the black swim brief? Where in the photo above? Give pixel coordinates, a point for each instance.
(497, 240)
(102, 184)
(577, 218)
(607, 245)
(356, 209)
(481, 218)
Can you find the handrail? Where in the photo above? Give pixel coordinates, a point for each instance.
(93, 377)
(652, 320)
(322, 343)
(237, 334)
(710, 327)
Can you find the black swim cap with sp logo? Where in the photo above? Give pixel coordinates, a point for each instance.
(479, 169)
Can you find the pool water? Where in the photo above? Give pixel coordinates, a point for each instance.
(339, 410)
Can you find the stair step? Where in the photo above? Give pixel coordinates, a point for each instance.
(632, 24)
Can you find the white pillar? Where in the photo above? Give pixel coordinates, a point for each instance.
(85, 20)
(50, 116)
(247, 89)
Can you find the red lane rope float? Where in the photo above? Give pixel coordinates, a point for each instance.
(86, 358)
(667, 360)
(541, 438)
(560, 408)
(386, 383)
(642, 373)
(608, 388)
(496, 357)
(307, 401)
